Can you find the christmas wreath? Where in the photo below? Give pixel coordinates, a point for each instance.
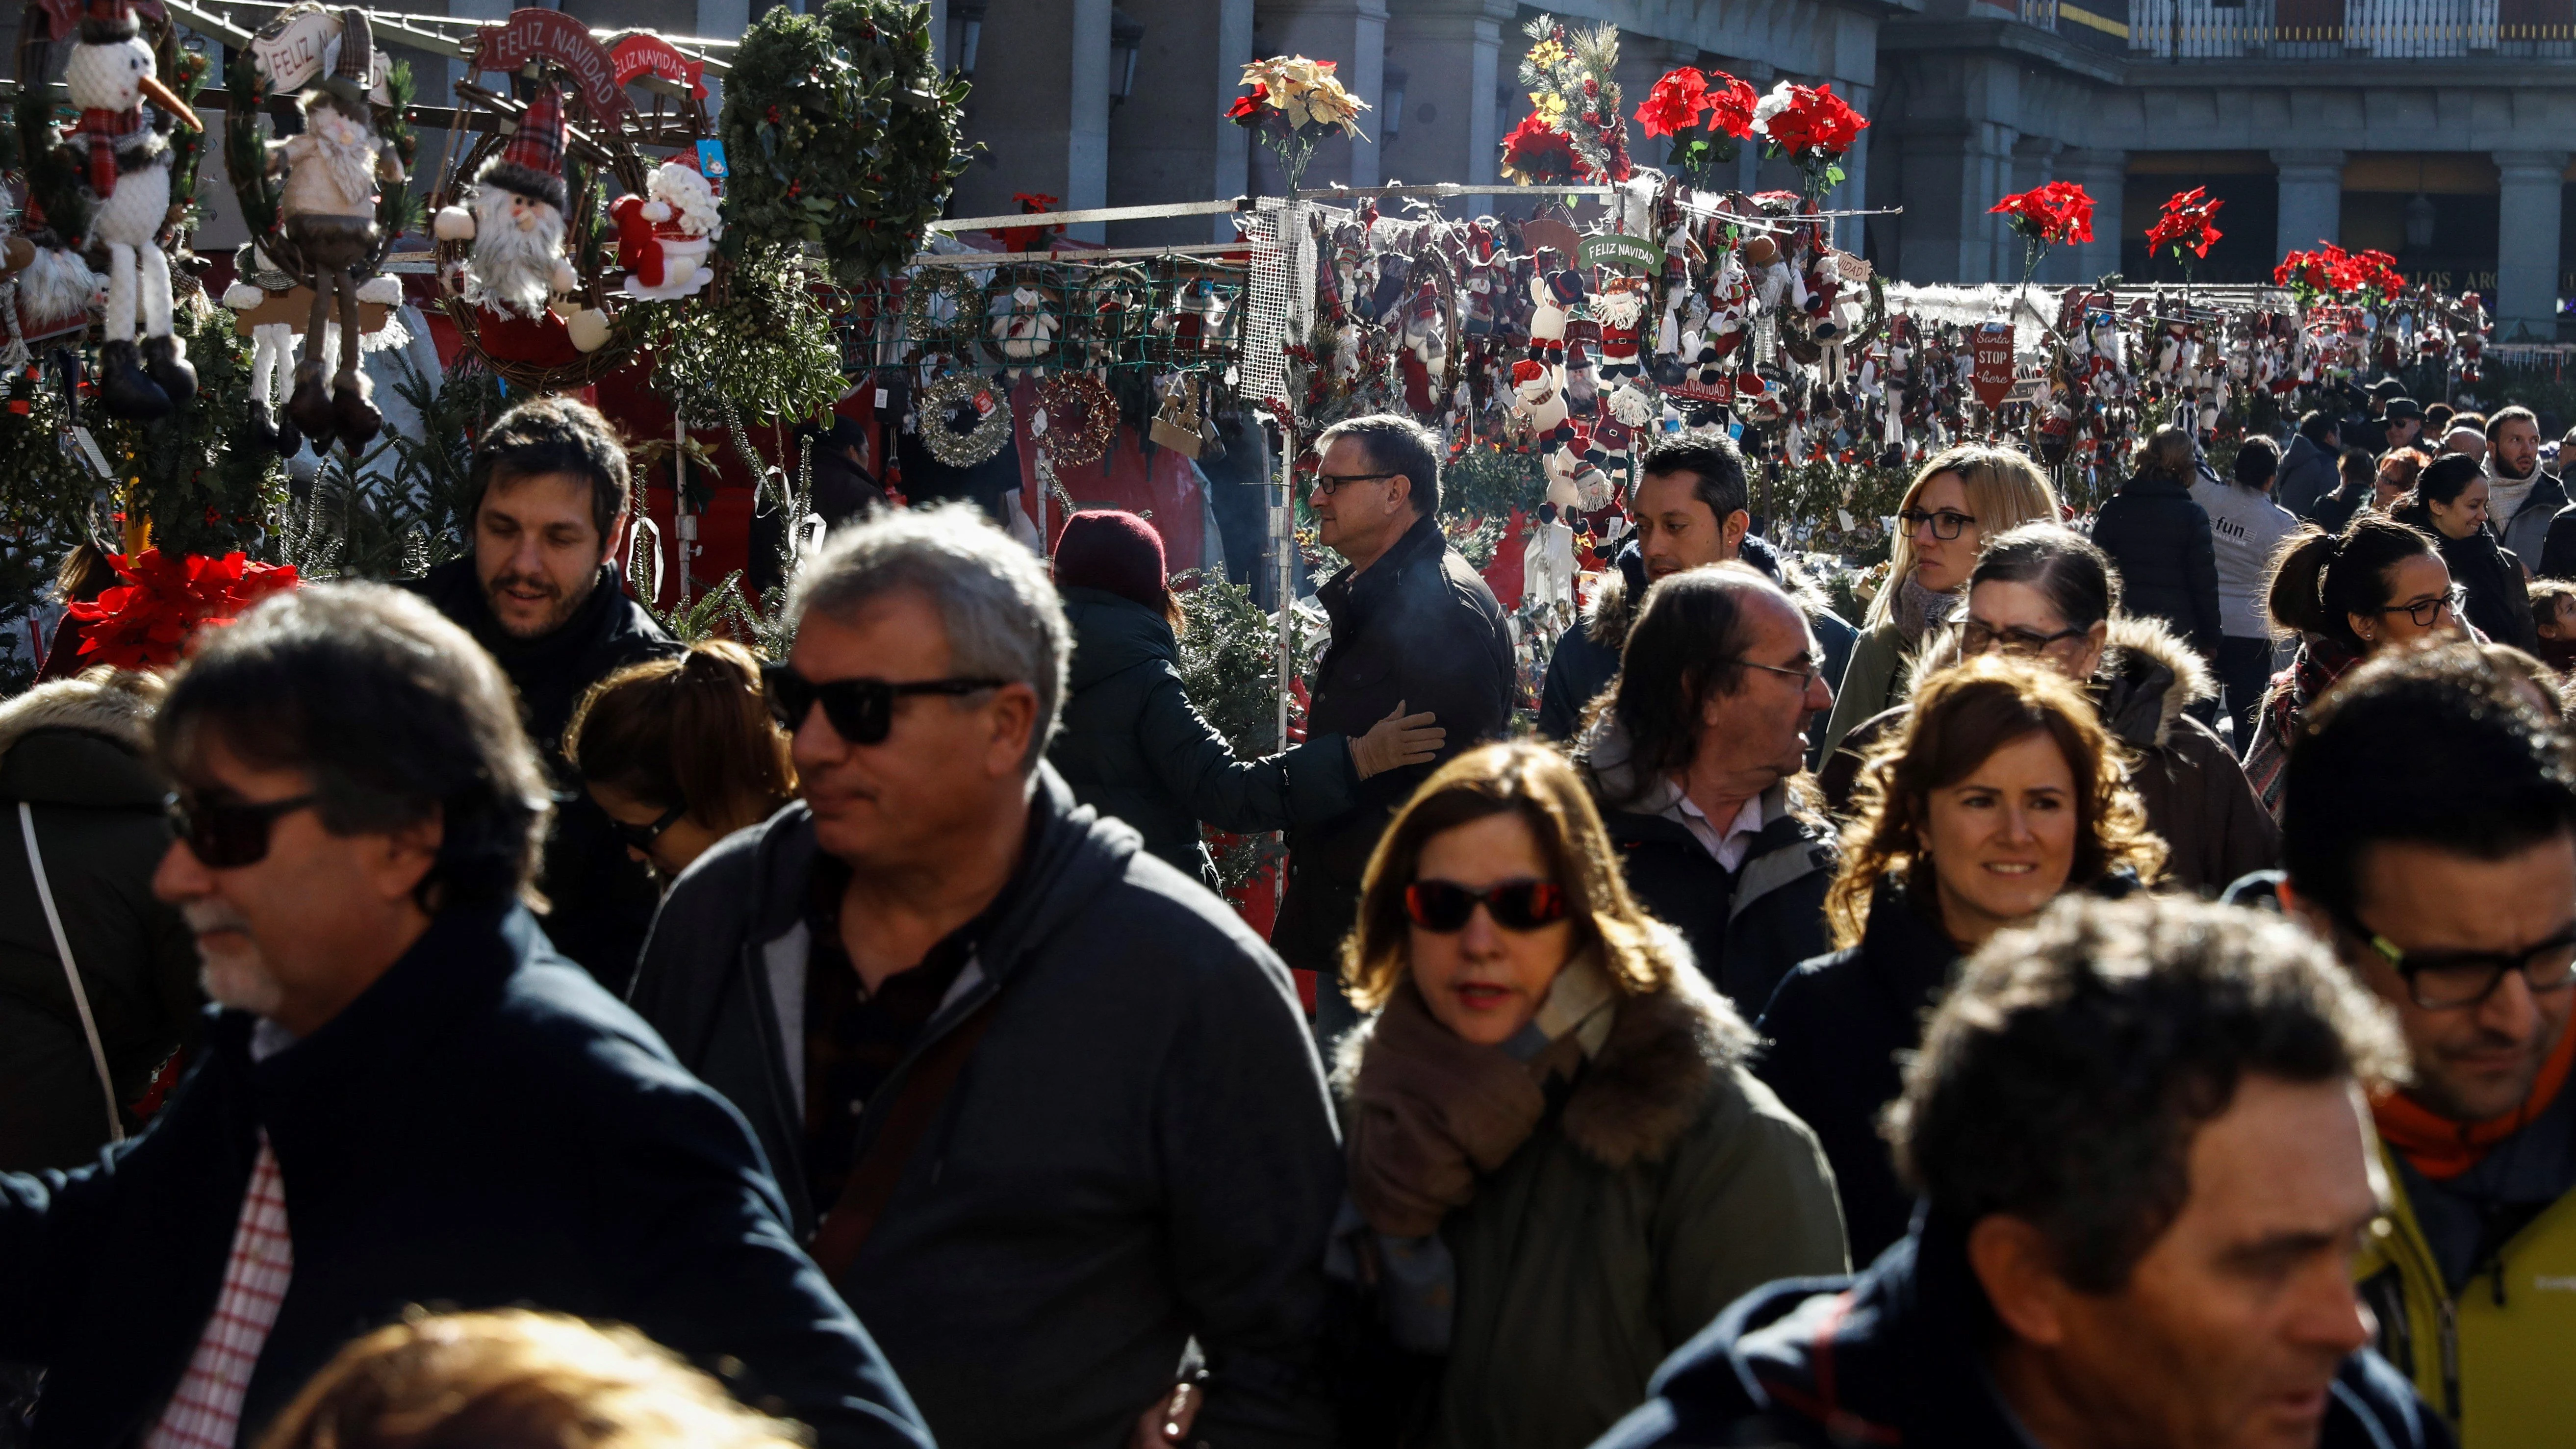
(841, 131)
(1081, 417)
(965, 419)
(931, 327)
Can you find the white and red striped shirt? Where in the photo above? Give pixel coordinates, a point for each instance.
(205, 1412)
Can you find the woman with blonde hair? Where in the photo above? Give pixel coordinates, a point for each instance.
(1959, 498)
(2003, 792)
(1563, 1167)
(682, 752)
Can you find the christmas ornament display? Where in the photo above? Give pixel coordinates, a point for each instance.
(965, 419)
(1080, 418)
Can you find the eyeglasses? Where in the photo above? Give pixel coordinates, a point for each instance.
(1806, 672)
(1329, 484)
(640, 838)
(2425, 611)
(1945, 524)
(1977, 638)
(1516, 905)
(861, 710)
(229, 834)
(2442, 980)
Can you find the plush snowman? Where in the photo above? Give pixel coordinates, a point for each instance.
(110, 75)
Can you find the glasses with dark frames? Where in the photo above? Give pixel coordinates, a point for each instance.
(861, 711)
(1946, 524)
(1329, 484)
(1445, 907)
(2426, 611)
(641, 837)
(229, 834)
(1976, 638)
(2444, 980)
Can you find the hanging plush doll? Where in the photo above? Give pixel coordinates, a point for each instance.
(335, 171)
(1554, 294)
(126, 168)
(1026, 329)
(256, 280)
(515, 218)
(1622, 310)
(663, 238)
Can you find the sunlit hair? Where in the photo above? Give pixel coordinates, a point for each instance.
(1960, 718)
(2004, 487)
(512, 1379)
(2398, 467)
(1537, 784)
(692, 731)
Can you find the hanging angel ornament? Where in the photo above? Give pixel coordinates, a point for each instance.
(663, 237)
(125, 166)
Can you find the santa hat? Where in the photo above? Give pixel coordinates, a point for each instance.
(108, 22)
(532, 164)
(1527, 371)
(355, 72)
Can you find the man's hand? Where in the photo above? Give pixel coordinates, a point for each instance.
(1167, 1422)
(1398, 739)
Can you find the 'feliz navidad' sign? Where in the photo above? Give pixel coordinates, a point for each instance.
(551, 35)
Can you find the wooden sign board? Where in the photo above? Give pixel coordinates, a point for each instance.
(1631, 254)
(551, 35)
(1553, 235)
(1993, 375)
(295, 309)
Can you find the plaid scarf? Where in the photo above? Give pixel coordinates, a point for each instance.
(104, 129)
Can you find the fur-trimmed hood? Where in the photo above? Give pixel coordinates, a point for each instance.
(84, 741)
(1651, 1078)
(2147, 678)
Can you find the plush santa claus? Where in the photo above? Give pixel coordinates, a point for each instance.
(515, 218)
(664, 236)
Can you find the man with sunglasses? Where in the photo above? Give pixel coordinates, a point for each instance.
(2429, 833)
(1412, 625)
(1045, 1108)
(407, 1096)
(549, 497)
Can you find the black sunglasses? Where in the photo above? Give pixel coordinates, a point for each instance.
(1516, 905)
(641, 837)
(229, 834)
(861, 710)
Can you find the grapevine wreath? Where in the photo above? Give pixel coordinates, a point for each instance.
(1081, 417)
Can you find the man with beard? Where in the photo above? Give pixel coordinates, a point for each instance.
(407, 1097)
(548, 495)
(2137, 1132)
(2522, 497)
(2428, 832)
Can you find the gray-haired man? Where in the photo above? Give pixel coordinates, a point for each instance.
(1047, 1107)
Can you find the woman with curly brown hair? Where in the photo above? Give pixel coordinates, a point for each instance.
(1563, 1168)
(2004, 791)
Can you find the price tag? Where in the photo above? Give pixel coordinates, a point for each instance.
(984, 403)
(881, 399)
(711, 160)
(89, 451)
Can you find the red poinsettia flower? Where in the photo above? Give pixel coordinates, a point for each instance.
(1675, 102)
(2370, 271)
(2184, 224)
(146, 621)
(1731, 103)
(2059, 211)
(1814, 123)
(1538, 154)
(2320, 271)
(1248, 110)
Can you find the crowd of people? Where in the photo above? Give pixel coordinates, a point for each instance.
(2114, 993)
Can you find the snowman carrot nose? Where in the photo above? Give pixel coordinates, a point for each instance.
(168, 100)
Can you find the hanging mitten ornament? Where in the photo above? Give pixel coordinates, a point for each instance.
(124, 162)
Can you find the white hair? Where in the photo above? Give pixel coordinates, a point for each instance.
(513, 269)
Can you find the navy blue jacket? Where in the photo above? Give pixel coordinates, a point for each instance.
(2168, 562)
(1892, 1357)
(482, 1127)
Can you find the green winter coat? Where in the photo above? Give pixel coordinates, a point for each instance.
(1667, 1184)
(1133, 746)
(73, 751)
(1868, 685)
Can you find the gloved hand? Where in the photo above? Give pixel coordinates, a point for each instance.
(1398, 739)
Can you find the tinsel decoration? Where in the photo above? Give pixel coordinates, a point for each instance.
(765, 351)
(1081, 418)
(965, 419)
(842, 131)
(927, 325)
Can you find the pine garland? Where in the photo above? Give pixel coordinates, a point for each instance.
(841, 131)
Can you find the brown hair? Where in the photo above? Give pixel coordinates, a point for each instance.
(512, 1379)
(2401, 466)
(692, 730)
(1960, 717)
(1537, 784)
(2005, 489)
(2320, 579)
(2167, 453)
(2514, 664)
(2548, 596)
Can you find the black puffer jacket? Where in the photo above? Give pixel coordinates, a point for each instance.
(74, 753)
(1418, 628)
(603, 900)
(1133, 745)
(2499, 600)
(2168, 562)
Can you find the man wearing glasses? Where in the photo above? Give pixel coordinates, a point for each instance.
(407, 1096)
(1414, 630)
(1045, 1110)
(2429, 834)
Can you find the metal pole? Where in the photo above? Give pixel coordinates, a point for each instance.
(1283, 543)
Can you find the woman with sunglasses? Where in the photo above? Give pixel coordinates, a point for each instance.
(681, 752)
(2346, 596)
(2001, 792)
(1959, 499)
(2449, 501)
(1563, 1169)
(2046, 593)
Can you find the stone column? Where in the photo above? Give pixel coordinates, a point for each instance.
(1169, 140)
(2527, 245)
(1041, 108)
(1953, 170)
(2311, 199)
(1460, 56)
(1352, 35)
(2103, 175)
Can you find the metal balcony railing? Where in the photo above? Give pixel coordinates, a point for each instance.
(2042, 13)
(2379, 29)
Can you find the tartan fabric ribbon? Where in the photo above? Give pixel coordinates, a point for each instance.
(104, 129)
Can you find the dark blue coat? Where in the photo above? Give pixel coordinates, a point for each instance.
(482, 1127)
(2168, 563)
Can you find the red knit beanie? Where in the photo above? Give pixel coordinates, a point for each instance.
(1115, 552)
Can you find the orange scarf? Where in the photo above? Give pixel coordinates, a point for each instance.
(2442, 1149)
